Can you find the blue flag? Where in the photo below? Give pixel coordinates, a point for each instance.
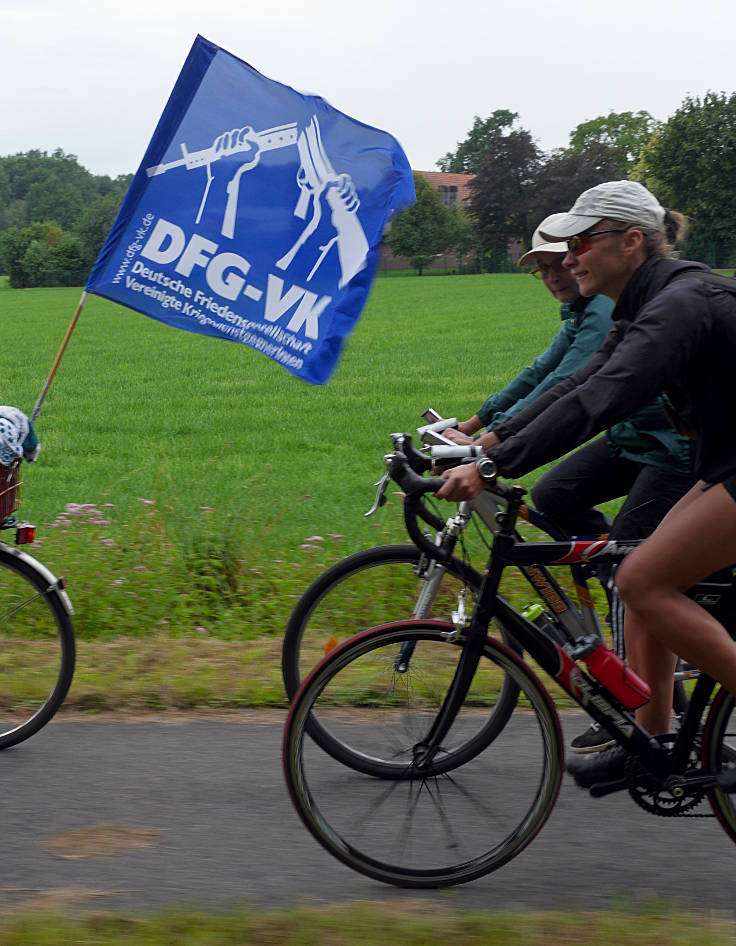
(255, 215)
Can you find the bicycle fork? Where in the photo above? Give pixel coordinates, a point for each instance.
(427, 748)
(434, 572)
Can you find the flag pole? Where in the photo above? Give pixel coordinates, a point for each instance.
(44, 390)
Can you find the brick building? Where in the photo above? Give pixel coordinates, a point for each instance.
(453, 190)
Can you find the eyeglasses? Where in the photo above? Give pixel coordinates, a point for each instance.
(578, 245)
(544, 270)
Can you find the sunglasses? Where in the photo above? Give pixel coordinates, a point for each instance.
(578, 245)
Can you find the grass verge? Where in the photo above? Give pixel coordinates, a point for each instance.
(411, 924)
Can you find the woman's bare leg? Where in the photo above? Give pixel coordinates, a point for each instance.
(696, 538)
(651, 659)
(656, 664)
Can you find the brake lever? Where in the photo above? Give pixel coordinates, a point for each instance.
(380, 499)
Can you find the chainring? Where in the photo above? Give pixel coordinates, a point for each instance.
(650, 795)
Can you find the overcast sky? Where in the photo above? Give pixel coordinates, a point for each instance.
(92, 77)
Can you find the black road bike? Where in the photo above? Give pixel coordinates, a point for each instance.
(449, 800)
(380, 585)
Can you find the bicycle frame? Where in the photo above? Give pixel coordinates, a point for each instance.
(576, 622)
(591, 695)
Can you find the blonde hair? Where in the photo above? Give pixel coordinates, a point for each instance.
(660, 243)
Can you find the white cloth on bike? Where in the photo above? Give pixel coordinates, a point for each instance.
(14, 431)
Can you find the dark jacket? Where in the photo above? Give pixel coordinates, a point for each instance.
(647, 437)
(674, 331)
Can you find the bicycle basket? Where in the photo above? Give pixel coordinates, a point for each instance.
(10, 483)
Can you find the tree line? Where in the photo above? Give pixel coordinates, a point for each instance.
(54, 217)
(55, 214)
(686, 161)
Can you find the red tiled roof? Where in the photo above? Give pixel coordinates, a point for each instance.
(461, 181)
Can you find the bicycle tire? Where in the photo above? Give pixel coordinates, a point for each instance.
(327, 601)
(719, 753)
(402, 832)
(37, 650)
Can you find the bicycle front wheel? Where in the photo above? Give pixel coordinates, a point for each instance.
(425, 827)
(36, 647)
(370, 589)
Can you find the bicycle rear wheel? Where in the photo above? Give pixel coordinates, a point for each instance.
(36, 648)
(719, 754)
(369, 589)
(424, 828)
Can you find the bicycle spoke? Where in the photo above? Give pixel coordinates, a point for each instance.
(16, 608)
(471, 796)
(424, 821)
(441, 811)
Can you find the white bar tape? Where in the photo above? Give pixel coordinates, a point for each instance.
(458, 452)
(438, 426)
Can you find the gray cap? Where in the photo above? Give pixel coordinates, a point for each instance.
(539, 244)
(625, 201)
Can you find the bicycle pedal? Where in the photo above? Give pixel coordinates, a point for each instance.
(607, 788)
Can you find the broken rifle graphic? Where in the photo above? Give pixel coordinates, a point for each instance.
(315, 177)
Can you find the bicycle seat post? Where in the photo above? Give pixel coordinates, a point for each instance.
(514, 497)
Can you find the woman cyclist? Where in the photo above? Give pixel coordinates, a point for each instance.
(643, 458)
(675, 331)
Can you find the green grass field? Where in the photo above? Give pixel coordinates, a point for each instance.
(201, 467)
(142, 410)
(193, 441)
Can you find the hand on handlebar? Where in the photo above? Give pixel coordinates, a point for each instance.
(461, 483)
(487, 440)
(457, 436)
(470, 426)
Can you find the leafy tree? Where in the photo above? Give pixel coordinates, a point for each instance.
(689, 164)
(36, 263)
(13, 215)
(54, 199)
(5, 192)
(36, 188)
(39, 186)
(94, 224)
(423, 230)
(55, 187)
(482, 139)
(15, 244)
(464, 239)
(623, 133)
(68, 263)
(500, 192)
(565, 175)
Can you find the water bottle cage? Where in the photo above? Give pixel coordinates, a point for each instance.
(584, 646)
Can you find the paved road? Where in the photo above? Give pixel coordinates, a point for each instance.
(195, 811)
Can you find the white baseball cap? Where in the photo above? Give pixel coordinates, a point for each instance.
(539, 244)
(625, 201)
